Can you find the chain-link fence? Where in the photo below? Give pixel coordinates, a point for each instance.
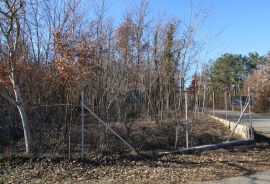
(124, 126)
(149, 116)
(127, 124)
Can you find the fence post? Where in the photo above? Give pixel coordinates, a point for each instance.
(241, 106)
(186, 113)
(204, 86)
(69, 143)
(82, 125)
(176, 134)
(238, 121)
(226, 106)
(249, 108)
(213, 103)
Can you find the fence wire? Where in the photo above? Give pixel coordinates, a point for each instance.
(57, 128)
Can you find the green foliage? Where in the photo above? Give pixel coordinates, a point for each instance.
(230, 70)
(227, 71)
(169, 64)
(254, 59)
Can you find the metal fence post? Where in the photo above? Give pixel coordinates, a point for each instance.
(241, 107)
(238, 121)
(249, 108)
(186, 113)
(176, 134)
(204, 86)
(82, 125)
(226, 105)
(213, 103)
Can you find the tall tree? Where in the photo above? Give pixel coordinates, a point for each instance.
(227, 72)
(252, 61)
(10, 15)
(169, 63)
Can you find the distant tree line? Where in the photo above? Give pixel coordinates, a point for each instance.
(231, 75)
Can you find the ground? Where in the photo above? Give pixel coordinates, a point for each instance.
(166, 169)
(258, 178)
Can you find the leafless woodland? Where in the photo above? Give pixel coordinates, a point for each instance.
(133, 76)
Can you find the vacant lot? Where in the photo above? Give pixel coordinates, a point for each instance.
(148, 137)
(120, 167)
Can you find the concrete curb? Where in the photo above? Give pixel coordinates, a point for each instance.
(241, 130)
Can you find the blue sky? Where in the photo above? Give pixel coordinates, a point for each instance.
(234, 26)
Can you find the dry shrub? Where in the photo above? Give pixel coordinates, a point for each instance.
(205, 130)
(259, 81)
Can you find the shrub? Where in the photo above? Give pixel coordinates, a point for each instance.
(259, 81)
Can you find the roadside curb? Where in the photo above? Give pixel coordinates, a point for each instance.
(241, 130)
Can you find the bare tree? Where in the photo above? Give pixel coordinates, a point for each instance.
(188, 46)
(10, 13)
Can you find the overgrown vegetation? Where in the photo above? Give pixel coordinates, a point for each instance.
(259, 82)
(134, 76)
(131, 73)
(147, 137)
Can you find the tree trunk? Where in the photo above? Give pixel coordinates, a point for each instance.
(23, 115)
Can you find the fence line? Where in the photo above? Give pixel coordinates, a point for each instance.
(109, 128)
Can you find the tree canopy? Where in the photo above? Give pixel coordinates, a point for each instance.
(230, 70)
